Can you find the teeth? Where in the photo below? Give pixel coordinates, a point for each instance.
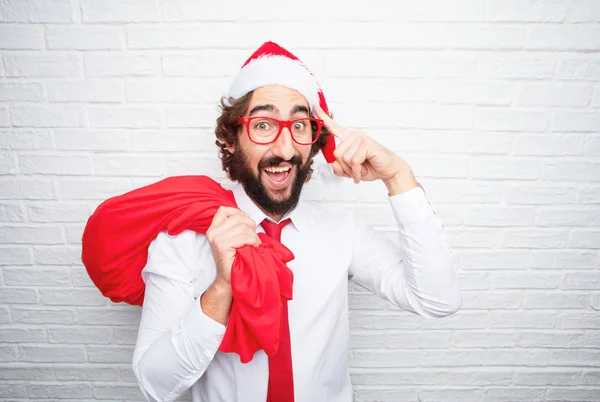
(277, 169)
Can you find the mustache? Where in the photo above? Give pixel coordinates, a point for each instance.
(276, 161)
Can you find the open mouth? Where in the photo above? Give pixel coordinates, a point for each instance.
(278, 176)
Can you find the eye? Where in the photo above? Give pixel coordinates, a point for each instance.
(262, 125)
(299, 126)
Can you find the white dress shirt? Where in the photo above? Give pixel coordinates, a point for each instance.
(177, 344)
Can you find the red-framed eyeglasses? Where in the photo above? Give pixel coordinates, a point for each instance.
(265, 130)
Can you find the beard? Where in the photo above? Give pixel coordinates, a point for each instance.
(256, 190)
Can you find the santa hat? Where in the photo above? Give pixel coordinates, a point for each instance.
(271, 64)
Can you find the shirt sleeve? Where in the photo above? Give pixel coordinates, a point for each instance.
(417, 274)
(176, 341)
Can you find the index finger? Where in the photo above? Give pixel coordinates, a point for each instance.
(224, 213)
(333, 127)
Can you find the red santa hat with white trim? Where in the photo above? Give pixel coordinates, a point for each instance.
(271, 64)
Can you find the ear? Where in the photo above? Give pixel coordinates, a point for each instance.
(231, 148)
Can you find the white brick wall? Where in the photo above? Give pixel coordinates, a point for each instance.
(495, 103)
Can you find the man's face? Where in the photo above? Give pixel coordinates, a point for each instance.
(273, 174)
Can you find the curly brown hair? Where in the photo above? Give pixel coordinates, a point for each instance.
(227, 133)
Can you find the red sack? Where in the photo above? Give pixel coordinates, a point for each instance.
(115, 250)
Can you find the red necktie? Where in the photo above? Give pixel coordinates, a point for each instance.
(281, 378)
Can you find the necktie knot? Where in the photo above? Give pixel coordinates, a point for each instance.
(272, 229)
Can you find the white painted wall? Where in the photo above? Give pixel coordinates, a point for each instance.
(494, 103)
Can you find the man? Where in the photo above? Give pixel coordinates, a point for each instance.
(273, 124)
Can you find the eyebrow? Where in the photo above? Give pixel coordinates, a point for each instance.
(271, 108)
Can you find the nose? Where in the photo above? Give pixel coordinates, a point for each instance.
(284, 146)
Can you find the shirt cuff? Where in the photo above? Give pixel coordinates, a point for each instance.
(203, 330)
(411, 206)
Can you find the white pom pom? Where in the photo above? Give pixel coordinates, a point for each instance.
(323, 171)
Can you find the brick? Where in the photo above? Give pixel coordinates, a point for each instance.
(563, 37)
(31, 235)
(584, 11)
(468, 94)
(125, 117)
(397, 377)
(472, 36)
(199, 63)
(484, 339)
(177, 90)
(16, 256)
(32, 11)
(22, 335)
(571, 171)
(528, 11)
(54, 276)
(4, 117)
(93, 140)
(579, 69)
(8, 354)
(4, 315)
(480, 301)
(510, 120)
(595, 302)
(12, 390)
(426, 358)
(416, 340)
(56, 64)
(91, 90)
(122, 64)
(572, 320)
(450, 394)
(515, 69)
(61, 391)
(21, 37)
(499, 216)
(473, 238)
(125, 335)
(518, 357)
(558, 217)
(25, 139)
(590, 378)
(51, 354)
(120, 11)
(464, 193)
(84, 335)
(504, 168)
(81, 278)
(386, 394)
(183, 166)
(11, 213)
(576, 358)
(10, 371)
(79, 189)
(365, 301)
(534, 238)
(126, 373)
(496, 376)
(465, 320)
(112, 317)
(109, 354)
(575, 121)
(117, 391)
(85, 37)
(86, 372)
(585, 239)
(49, 212)
(21, 92)
(187, 117)
(37, 316)
(555, 394)
(439, 167)
(47, 116)
(555, 300)
(514, 320)
(137, 165)
(74, 233)
(8, 164)
(520, 280)
(592, 146)
(496, 260)
(550, 340)
(581, 281)
(71, 297)
(515, 394)
(57, 255)
(559, 94)
(18, 296)
(64, 165)
(371, 321)
(548, 144)
(185, 10)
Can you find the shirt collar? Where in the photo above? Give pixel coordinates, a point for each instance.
(298, 215)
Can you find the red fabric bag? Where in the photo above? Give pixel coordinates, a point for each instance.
(115, 250)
